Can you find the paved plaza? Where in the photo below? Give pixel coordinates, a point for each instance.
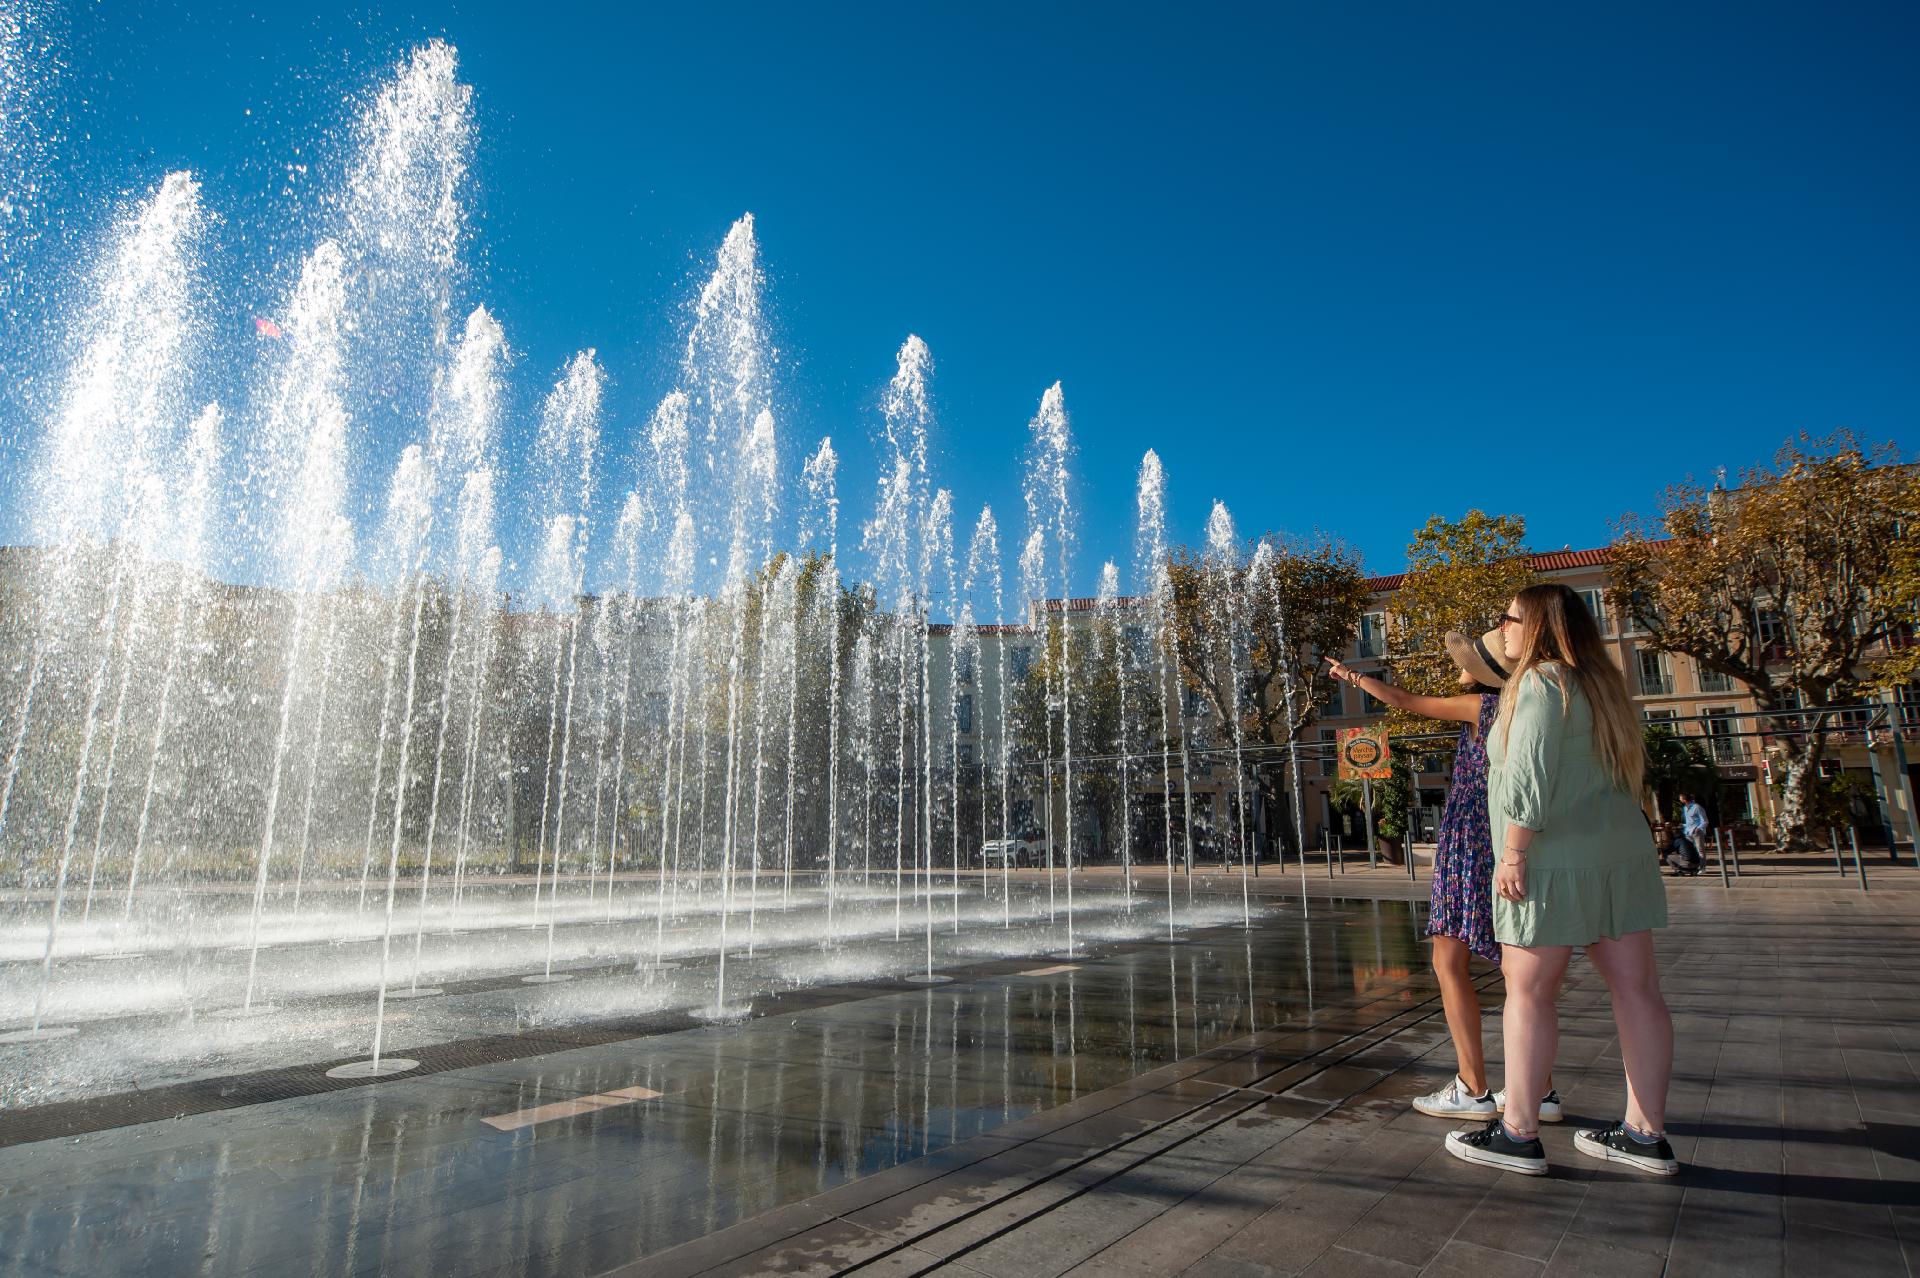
(1233, 1106)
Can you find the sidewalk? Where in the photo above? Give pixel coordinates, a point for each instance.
(1800, 871)
(1795, 1107)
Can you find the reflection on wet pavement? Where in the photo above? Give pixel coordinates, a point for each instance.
(577, 1161)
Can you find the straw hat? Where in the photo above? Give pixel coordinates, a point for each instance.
(1484, 658)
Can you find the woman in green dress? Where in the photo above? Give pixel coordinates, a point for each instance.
(1565, 761)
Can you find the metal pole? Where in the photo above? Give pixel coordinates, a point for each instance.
(1413, 821)
(1260, 812)
(1720, 859)
(1853, 837)
(1882, 800)
(1326, 842)
(1833, 837)
(1733, 846)
(1366, 810)
(1906, 785)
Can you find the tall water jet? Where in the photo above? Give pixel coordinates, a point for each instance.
(203, 459)
(466, 425)
(485, 585)
(861, 699)
(635, 518)
(1224, 584)
(778, 600)
(936, 561)
(789, 653)
(304, 455)
(567, 448)
(727, 365)
(822, 479)
(409, 525)
(984, 568)
(1113, 637)
(1150, 566)
(757, 468)
(1288, 694)
(1033, 596)
(906, 416)
(108, 459)
(142, 532)
(668, 436)
(405, 224)
(1050, 508)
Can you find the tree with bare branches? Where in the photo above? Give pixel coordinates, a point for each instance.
(1313, 589)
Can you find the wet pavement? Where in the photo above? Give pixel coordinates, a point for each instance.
(1795, 1110)
(1233, 1107)
(582, 1160)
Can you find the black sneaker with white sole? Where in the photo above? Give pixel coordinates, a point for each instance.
(1492, 1146)
(1616, 1145)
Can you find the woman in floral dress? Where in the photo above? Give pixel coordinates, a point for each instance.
(1461, 918)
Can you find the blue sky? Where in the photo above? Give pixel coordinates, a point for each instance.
(1344, 266)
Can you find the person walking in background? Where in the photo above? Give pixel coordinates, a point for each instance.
(1460, 919)
(1565, 767)
(1694, 826)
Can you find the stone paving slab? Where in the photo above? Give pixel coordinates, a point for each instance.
(1795, 1107)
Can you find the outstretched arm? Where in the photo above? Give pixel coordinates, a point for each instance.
(1464, 708)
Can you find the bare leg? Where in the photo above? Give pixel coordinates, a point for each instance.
(1462, 1005)
(1645, 1025)
(1530, 1028)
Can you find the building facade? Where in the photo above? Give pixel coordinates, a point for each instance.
(1696, 703)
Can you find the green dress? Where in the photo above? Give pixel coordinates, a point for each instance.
(1591, 871)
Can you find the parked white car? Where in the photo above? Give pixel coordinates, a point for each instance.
(995, 853)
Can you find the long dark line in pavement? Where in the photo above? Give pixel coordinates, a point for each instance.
(1373, 1040)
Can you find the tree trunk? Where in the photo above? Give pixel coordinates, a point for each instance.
(1790, 817)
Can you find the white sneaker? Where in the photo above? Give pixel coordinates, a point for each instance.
(1549, 1105)
(1456, 1100)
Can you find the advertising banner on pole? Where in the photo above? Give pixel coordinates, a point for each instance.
(1364, 754)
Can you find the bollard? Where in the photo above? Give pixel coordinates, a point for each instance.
(1720, 858)
(1733, 846)
(1853, 837)
(1328, 843)
(1833, 837)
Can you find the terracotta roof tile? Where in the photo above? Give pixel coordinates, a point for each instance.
(1543, 561)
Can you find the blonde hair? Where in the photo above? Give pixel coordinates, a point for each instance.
(1554, 625)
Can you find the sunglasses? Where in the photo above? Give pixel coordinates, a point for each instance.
(1507, 619)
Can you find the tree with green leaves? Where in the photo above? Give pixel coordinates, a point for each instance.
(1461, 574)
(1792, 583)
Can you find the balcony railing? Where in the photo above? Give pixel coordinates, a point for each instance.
(1652, 685)
(1728, 749)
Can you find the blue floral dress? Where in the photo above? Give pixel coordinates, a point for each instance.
(1462, 904)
